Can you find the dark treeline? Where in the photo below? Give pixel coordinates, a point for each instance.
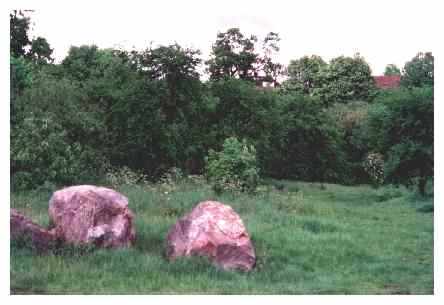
(149, 110)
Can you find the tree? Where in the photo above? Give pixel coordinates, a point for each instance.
(40, 51)
(19, 80)
(37, 49)
(419, 71)
(309, 145)
(346, 79)
(81, 62)
(271, 69)
(177, 68)
(235, 55)
(392, 69)
(401, 127)
(304, 73)
(18, 30)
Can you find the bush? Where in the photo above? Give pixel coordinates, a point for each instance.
(306, 144)
(172, 175)
(55, 139)
(374, 167)
(40, 152)
(401, 128)
(235, 168)
(124, 176)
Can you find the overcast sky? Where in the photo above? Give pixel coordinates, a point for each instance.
(383, 32)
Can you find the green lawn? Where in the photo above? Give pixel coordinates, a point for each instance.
(308, 240)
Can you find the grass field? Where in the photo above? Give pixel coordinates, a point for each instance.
(308, 240)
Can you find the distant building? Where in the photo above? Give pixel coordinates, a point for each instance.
(387, 82)
(265, 83)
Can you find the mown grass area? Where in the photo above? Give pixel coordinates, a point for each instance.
(308, 240)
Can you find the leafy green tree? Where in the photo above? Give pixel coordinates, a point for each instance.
(18, 32)
(19, 80)
(392, 69)
(346, 79)
(177, 67)
(37, 49)
(81, 62)
(271, 69)
(401, 128)
(304, 73)
(235, 55)
(419, 71)
(40, 51)
(307, 144)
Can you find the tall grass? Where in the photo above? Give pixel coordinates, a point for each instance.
(308, 240)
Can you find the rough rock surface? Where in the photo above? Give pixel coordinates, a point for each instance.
(87, 214)
(22, 227)
(212, 229)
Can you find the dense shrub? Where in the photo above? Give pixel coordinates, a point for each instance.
(143, 113)
(41, 152)
(401, 128)
(307, 144)
(351, 119)
(55, 139)
(233, 168)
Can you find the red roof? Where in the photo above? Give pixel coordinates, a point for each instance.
(387, 82)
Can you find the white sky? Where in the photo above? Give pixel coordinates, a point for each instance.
(382, 31)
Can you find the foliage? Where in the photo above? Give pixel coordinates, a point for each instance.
(419, 71)
(37, 49)
(172, 175)
(82, 62)
(351, 120)
(402, 129)
(346, 79)
(49, 143)
(18, 32)
(234, 55)
(147, 111)
(306, 144)
(304, 73)
(233, 168)
(392, 69)
(40, 51)
(124, 176)
(19, 80)
(40, 151)
(374, 167)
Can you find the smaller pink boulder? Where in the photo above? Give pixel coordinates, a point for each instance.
(87, 214)
(214, 230)
(22, 227)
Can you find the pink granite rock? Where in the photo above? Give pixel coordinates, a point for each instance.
(87, 214)
(22, 227)
(212, 229)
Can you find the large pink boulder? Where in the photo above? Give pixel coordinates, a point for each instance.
(87, 214)
(23, 228)
(214, 230)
